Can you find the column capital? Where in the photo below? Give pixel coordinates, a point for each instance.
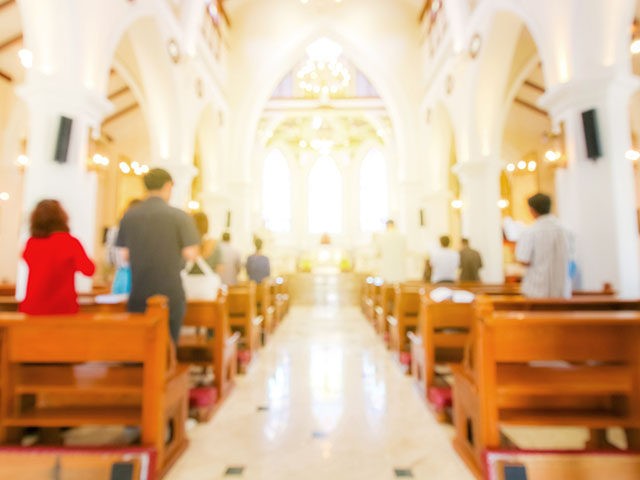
(585, 93)
(57, 94)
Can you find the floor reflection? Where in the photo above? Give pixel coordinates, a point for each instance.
(326, 380)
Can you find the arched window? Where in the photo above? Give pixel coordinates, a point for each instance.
(374, 194)
(276, 192)
(325, 197)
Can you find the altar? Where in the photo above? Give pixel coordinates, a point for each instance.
(325, 287)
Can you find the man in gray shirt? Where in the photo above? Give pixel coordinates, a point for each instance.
(157, 238)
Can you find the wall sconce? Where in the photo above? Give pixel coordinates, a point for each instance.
(457, 204)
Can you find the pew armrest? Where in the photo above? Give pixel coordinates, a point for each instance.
(414, 339)
(257, 320)
(391, 320)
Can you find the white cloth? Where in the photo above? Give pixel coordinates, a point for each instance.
(392, 250)
(444, 265)
(545, 247)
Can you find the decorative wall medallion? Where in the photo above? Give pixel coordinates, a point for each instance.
(474, 45)
(449, 84)
(174, 50)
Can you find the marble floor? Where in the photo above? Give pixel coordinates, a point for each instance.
(324, 401)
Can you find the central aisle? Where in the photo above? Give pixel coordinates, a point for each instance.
(324, 401)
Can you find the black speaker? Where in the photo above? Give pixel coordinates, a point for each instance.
(62, 144)
(591, 135)
(228, 218)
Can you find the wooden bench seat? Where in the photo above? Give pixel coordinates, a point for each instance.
(241, 303)
(444, 329)
(94, 369)
(570, 368)
(210, 345)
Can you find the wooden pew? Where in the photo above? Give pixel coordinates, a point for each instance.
(243, 318)
(444, 328)
(265, 308)
(94, 369)
(210, 345)
(406, 305)
(597, 386)
(383, 308)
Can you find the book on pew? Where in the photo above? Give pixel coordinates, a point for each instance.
(515, 472)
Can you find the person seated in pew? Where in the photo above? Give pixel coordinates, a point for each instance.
(544, 249)
(258, 266)
(53, 256)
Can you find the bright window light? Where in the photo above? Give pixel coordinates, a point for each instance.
(374, 195)
(325, 197)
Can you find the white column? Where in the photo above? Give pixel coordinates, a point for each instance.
(481, 220)
(182, 175)
(597, 200)
(68, 182)
(240, 192)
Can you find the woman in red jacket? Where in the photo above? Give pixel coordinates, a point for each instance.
(53, 257)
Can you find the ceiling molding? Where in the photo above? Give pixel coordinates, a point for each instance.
(119, 92)
(11, 42)
(119, 113)
(6, 4)
(531, 107)
(535, 86)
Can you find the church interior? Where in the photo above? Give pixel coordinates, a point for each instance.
(309, 124)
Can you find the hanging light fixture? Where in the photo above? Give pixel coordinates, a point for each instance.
(322, 73)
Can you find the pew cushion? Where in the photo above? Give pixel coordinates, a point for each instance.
(405, 358)
(200, 397)
(95, 463)
(441, 397)
(560, 465)
(244, 357)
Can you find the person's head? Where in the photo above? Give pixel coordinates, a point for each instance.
(465, 242)
(158, 182)
(226, 237)
(390, 224)
(133, 202)
(258, 243)
(445, 241)
(48, 217)
(202, 223)
(539, 204)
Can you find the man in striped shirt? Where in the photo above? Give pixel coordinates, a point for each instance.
(544, 249)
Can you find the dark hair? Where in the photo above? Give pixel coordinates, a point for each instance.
(540, 203)
(465, 241)
(48, 217)
(202, 222)
(133, 203)
(156, 179)
(258, 243)
(226, 236)
(445, 241)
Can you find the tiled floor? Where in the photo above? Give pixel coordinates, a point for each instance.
(324, 401)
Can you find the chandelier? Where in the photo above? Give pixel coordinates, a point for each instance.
(322, 73)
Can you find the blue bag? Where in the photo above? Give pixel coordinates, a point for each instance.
(122, 281)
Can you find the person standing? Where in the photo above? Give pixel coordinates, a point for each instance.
(470, 263)
(53, 256)
(156, 239)
(444, 262)
(392, 252)
(226, 260)
(544, 249)
(258, 266)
